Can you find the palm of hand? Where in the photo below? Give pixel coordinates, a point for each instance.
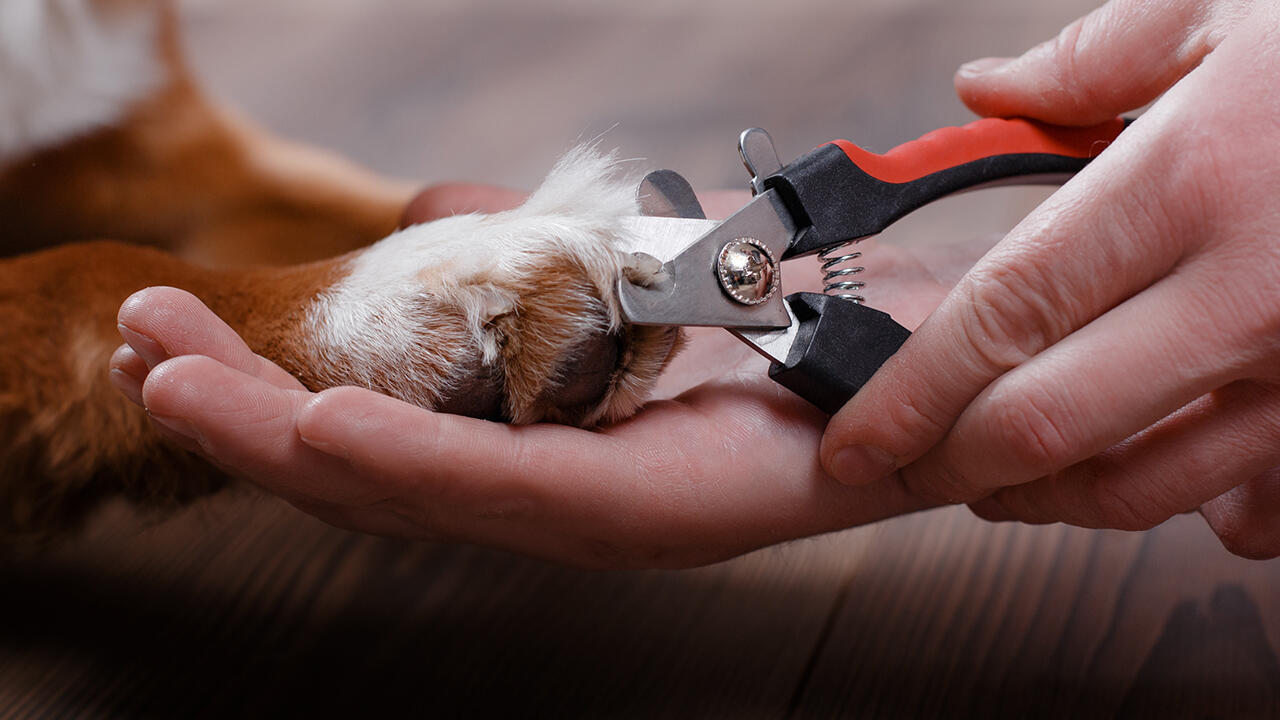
(723, 460)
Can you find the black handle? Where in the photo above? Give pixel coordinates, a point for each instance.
(840, 192)
(839, 345)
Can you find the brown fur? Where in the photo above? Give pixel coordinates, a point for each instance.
(183, 174)
(180, 174)
(72, 440)
(220, 202)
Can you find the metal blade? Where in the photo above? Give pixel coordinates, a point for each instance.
(662, 237)
(687, 291)
(773, 343)
(664, 193)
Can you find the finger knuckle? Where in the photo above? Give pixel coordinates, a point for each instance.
(1028, 503)
(1247, 541)
(1245, 340)
(1187, 194)
(1071, 53)
(1120, 511)
(1250, 549)
(909, 416)
(1032, 430)
(937, 484)
(1009, 319)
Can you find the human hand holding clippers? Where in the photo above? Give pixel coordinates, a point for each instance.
(1114, 361)
(824, 347)
(725, 460)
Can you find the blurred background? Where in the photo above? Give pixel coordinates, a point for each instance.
(245, 607)
(494, 91)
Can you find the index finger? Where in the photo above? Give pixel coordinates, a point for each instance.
(1102, 238)
(1117, 58)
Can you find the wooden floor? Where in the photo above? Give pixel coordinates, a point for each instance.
(244, 607)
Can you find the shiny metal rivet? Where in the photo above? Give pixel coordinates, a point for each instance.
(747, 271)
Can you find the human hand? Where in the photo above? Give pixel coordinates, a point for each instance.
(1116, 359)
(724, 461)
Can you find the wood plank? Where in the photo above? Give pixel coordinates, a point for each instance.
(1029, 622)
(296, 616)
(248, 607)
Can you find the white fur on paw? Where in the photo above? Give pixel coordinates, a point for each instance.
(453, 292)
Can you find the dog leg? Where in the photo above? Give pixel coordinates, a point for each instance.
(508, 316)
(105, 134)
(531, 294)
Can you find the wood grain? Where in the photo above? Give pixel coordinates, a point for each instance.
(243, 607)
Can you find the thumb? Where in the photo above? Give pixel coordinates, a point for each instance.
(1117, 58)
(441, 201)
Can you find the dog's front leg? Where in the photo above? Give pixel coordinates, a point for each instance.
(68, 439)
(508, 316)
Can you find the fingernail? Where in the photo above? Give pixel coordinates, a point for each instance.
(328, 448)
(178, 439)
(862, 464)
(983, 66)
(128, 385)
(177, 425)
(151, 352)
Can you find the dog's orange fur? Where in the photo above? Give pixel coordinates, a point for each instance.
(71, 440)
(186, 175)
(219, 203)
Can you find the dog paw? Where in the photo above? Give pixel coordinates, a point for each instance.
(511, 315)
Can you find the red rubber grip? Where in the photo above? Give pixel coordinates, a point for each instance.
(953, 146)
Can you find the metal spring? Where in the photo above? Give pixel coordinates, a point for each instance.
(839, 280)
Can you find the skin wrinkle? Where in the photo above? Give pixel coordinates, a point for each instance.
(1244, 518)
(1122, 512)
(1152, 56)
(903, 412)
(1143, 507)
(1213, 313)
(1181, 217)
(1006, 432)
(1065, 47)
(1239, 440)
(1224, 429)
(995, 329)
(1048, 290)
(1032, 428)
(680, 497)
(1045, 290)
